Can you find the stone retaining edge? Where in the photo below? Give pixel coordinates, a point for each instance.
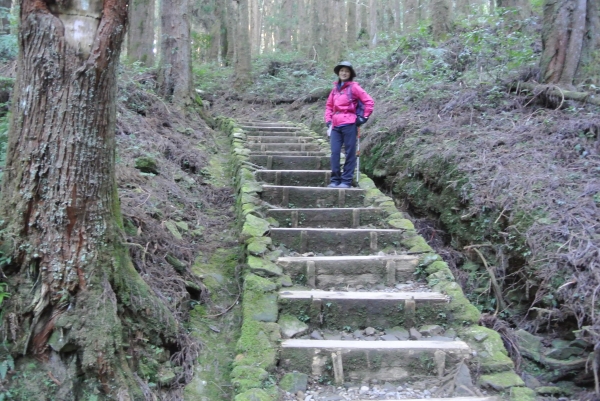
(258, 345)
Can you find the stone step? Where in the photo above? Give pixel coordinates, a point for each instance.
(279, 128)
(444, 399)
(280, 139)
(361, 361)
(301, 178)
(356, 309)
(284, 147)
(332, 271)
(268, 123)
(330, 217)
(287, 153)
(341, 241)
(292, 162)
(310, 197)
(287, 134)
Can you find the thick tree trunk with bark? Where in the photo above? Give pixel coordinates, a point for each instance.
(140, 37)
(569, 33)
(70, 276)
(175, 74)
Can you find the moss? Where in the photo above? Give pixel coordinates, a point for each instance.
(436, 266)
(255, 346)
(245, 378)
(415, 243)
(146, 165)
(501, 381)
(463, 311)
(403, 224)
(254, 227)
(255, 283)
(255, 394)
(258, 245)
(428, 258)
(522, 394)
(491, 352)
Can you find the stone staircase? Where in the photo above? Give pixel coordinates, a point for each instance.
(346, 307)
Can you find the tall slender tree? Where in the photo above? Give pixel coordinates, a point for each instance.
(352, 32)
(69, 273)
(140, 37)
(175, 73)
(373, 8)
(243, 65)
(440, 19)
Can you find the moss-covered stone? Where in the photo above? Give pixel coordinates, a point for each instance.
(502, 381)
(254, 227)
(255, 394)
(257, 345)
(261, 307)
(522, 394)
(492, 354)
(252, 282)
(415, 243)
(245, 378)
(146, 165)
(172, 227)
(294, 382)
(436, 266)
(428, 258)
(258, 245)
(403, 224)
(463, 311)
(366, 183)
(263, 267)
(291, 326)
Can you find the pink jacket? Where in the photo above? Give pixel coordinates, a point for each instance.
(345, 104)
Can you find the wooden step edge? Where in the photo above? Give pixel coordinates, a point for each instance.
(323, 209)
(377, 345)
(296, 171)
(364, 296)
(340, 230)
(443, 399)
(345, 258)
(319, 188)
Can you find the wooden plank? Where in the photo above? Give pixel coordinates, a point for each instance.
(367, 296)
(376, 345)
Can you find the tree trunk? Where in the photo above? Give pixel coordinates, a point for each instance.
(352, 34)
(516, 10)
(231, 18)
(372, 23)
(243, 65)
(4, 21)
(69, 273)
(440, 19)
(568, 33)
(411, 15)
(397, 16)
(363, 32)
(285, 25)
(335, 42)
(140, 37)
(175, 74)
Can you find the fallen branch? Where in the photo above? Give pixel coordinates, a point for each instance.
(555, 91)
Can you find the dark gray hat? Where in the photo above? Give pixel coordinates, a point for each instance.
(347, 65)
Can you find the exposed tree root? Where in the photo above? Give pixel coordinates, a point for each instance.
(549, 93)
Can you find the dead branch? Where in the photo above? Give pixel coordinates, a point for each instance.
(553, 90)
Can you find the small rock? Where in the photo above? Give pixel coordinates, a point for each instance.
(369, 331)
(358, 334)
(388, 337)
(315, 335)
(480, 337)
(414, 334)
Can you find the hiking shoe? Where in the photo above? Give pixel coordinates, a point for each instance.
(343, 185)
(333, 185)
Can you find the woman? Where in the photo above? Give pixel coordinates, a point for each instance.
(347, 108)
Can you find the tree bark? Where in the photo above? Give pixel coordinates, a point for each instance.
(411, 15)
(4, 22)
(175, 73)
(285, 25)
(440, 19)
(352, 33)
(372, 23)
(243, 65)
(517, 10)
(69, 272)
(568, 34)
(397, 15)
(140, 37)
